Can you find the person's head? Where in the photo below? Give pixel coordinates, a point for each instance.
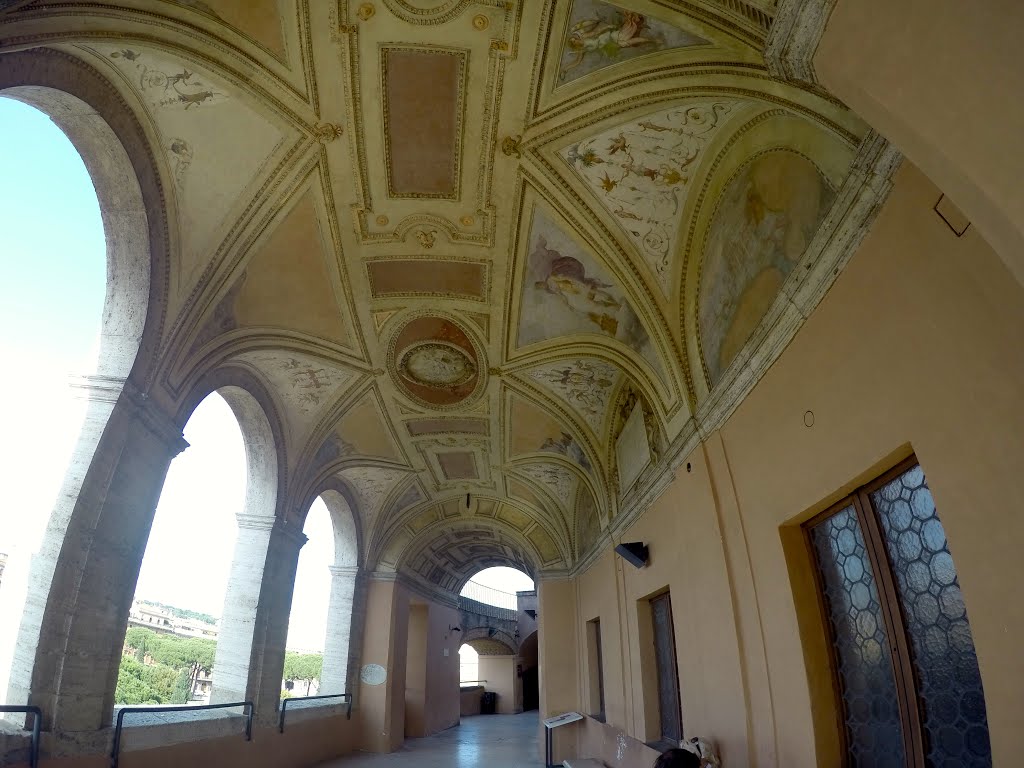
(677, 758)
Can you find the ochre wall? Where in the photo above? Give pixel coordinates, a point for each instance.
(500, 674)
(937, 78)
(914, 349)
(302, 744)
(382, 708)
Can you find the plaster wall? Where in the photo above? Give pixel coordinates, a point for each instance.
(382, 708)
(469, 700)
(912, 351)
(500, 674)
(939, 79)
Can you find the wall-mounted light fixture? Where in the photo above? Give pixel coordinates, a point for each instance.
(634, 552)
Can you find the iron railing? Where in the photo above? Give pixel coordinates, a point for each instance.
(37, 719)
(284, 705)
(489, 596)
(115, 752)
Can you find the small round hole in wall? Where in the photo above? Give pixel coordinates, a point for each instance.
(809, 418)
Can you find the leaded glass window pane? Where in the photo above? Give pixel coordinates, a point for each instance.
(870, 706)
(952, 702)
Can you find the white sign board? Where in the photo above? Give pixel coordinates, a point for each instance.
(563, 719)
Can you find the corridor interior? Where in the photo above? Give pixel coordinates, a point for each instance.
(706, 315)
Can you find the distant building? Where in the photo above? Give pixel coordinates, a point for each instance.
(158, 619)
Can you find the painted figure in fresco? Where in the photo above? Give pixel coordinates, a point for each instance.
(765, 220)
(567, 279)
(595, 36)
(568, 447)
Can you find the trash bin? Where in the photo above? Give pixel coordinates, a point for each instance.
(488, 702)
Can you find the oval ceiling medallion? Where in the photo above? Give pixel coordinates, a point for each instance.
(434, 361)
(436, 364)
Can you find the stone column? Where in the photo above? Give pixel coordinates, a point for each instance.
(334, 678)
(83, 579)
(271, 621)
(235, 649)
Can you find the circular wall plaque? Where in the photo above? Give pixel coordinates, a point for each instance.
(373, 674)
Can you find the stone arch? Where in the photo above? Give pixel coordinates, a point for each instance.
(342, 644)
(263, 436)
(116, 151)
(490, 641)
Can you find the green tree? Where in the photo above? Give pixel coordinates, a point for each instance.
(303, 666)
(132, 688)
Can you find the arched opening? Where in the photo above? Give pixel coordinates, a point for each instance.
(469, 666)
(497, 586)
(317, 652)
(493, 622)
(76, 294)
(177, 611)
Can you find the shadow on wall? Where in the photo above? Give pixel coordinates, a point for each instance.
(531, 682)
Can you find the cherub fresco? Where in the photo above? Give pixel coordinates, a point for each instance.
(566, 292)
(567, 446)
(605, 38)
(600, 34)
(567, 279)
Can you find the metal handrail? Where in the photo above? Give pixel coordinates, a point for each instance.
(116, 750)
(37, 719)
(284, 705)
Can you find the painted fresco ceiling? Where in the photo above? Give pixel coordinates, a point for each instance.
(459, 241)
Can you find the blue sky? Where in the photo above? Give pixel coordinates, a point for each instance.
(53, 261)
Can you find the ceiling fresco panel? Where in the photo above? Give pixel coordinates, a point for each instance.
(763, 223)
(458, 465)
(306, 385)
(565, 292)
(211, 165)
(585, 385)
(423, 120)
(428, 278)
(420, 427)
(259, 20)
(600, 35)
(532, 430)
(640, 171)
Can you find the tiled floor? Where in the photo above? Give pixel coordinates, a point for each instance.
(494, 741)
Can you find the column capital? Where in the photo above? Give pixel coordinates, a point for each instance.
(114, 389)
(255, 522)
(289, 533)
(343, 570)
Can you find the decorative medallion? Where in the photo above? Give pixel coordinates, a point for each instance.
(327, 132)
(467, 221)
(426, 237)
(481, 22)
(436, 364)
(512, 146)
(366, 11)
(382, 220)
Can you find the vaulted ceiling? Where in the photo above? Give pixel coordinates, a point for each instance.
(461, 242)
